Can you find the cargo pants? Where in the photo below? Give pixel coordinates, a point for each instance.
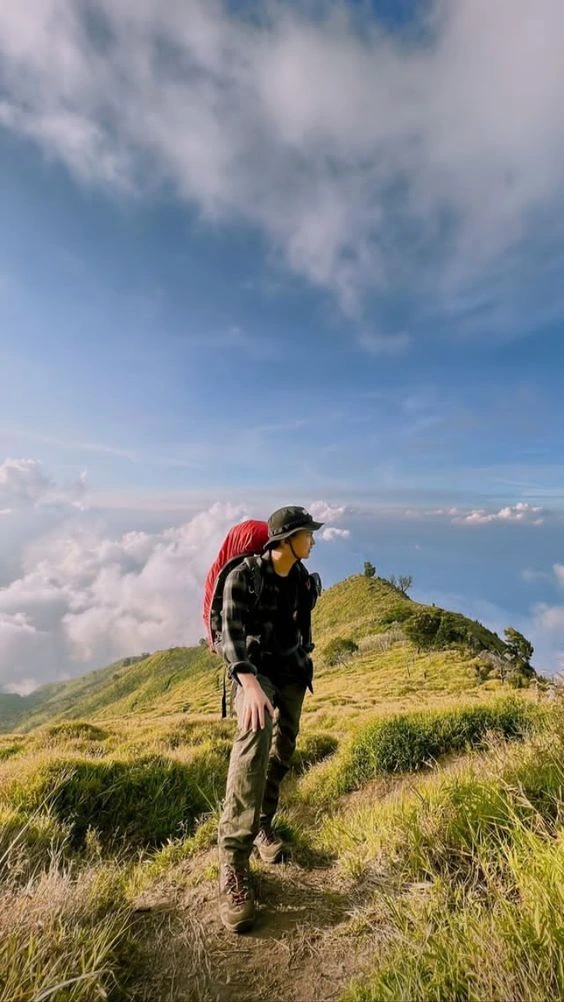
(259, 761)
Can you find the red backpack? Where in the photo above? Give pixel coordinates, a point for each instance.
(241, 541)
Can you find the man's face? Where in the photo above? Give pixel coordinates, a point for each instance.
(302, 542)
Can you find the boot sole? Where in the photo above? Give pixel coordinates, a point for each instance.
(245, 925)
(281, 856)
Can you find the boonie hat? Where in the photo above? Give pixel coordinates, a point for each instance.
(285, 521)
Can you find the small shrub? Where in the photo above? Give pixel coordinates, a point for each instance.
(338, 650)
(382, 642)
(399, 612)
(422, 627)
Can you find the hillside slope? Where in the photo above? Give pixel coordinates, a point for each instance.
(188, 679)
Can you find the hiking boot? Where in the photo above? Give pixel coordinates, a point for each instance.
(236, 898)
(269, 845)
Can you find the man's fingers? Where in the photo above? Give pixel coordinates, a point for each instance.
(255, 716)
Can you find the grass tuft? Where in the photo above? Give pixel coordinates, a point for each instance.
(408, 742)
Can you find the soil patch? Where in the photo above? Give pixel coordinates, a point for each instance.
(301, 949)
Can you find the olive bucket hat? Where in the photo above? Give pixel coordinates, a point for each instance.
(285, 521)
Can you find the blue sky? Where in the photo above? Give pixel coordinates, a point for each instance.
(313, 254)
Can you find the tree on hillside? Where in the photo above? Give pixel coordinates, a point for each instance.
(369, 569)
(422, 627)
(519, 653)
(339, 650)
(402, 583)
(519, 647)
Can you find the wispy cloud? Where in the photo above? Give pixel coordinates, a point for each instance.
(236, 339)
(352, 152)
(532, 576)
(520, 513)
(384, 344)
(69, 443)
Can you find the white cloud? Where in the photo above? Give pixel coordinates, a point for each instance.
(548, 624)
(22, 481)
(550, 617)
(520, 512)
(23, 484)
(333, 533)
(323, 512)
(21, 644)
(453, 510)
(335, 143)
(89, 599)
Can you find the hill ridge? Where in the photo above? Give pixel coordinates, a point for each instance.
(369, 610)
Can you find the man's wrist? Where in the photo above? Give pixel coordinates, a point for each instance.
(242, 669)
(247, 680)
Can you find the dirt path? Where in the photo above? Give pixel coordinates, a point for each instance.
(302, 947)
(316, 928)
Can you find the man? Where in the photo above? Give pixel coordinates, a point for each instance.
(267, 646)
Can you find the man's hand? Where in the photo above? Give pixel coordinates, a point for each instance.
(256, 703)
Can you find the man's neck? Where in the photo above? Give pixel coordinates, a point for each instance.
(282, 562)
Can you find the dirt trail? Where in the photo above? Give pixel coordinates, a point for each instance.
(302, 947)
(316, 928)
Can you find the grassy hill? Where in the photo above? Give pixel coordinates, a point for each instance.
(423, 811)
(370, 611)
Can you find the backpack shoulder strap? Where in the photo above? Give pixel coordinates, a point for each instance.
(255, 578)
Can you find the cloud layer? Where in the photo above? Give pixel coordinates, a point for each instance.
(86, 598)
(353, 150)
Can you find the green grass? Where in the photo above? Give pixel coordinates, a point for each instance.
(137, 802)
(67, 937)
(504, 943)
(409, 742)
(472, 869)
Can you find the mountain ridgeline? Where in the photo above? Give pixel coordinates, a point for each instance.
(395, 647)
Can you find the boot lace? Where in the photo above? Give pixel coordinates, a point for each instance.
(236, 883)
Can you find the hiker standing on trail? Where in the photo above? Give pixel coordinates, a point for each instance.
(266, 643)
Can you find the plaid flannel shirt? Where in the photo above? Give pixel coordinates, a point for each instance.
(247, 627)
